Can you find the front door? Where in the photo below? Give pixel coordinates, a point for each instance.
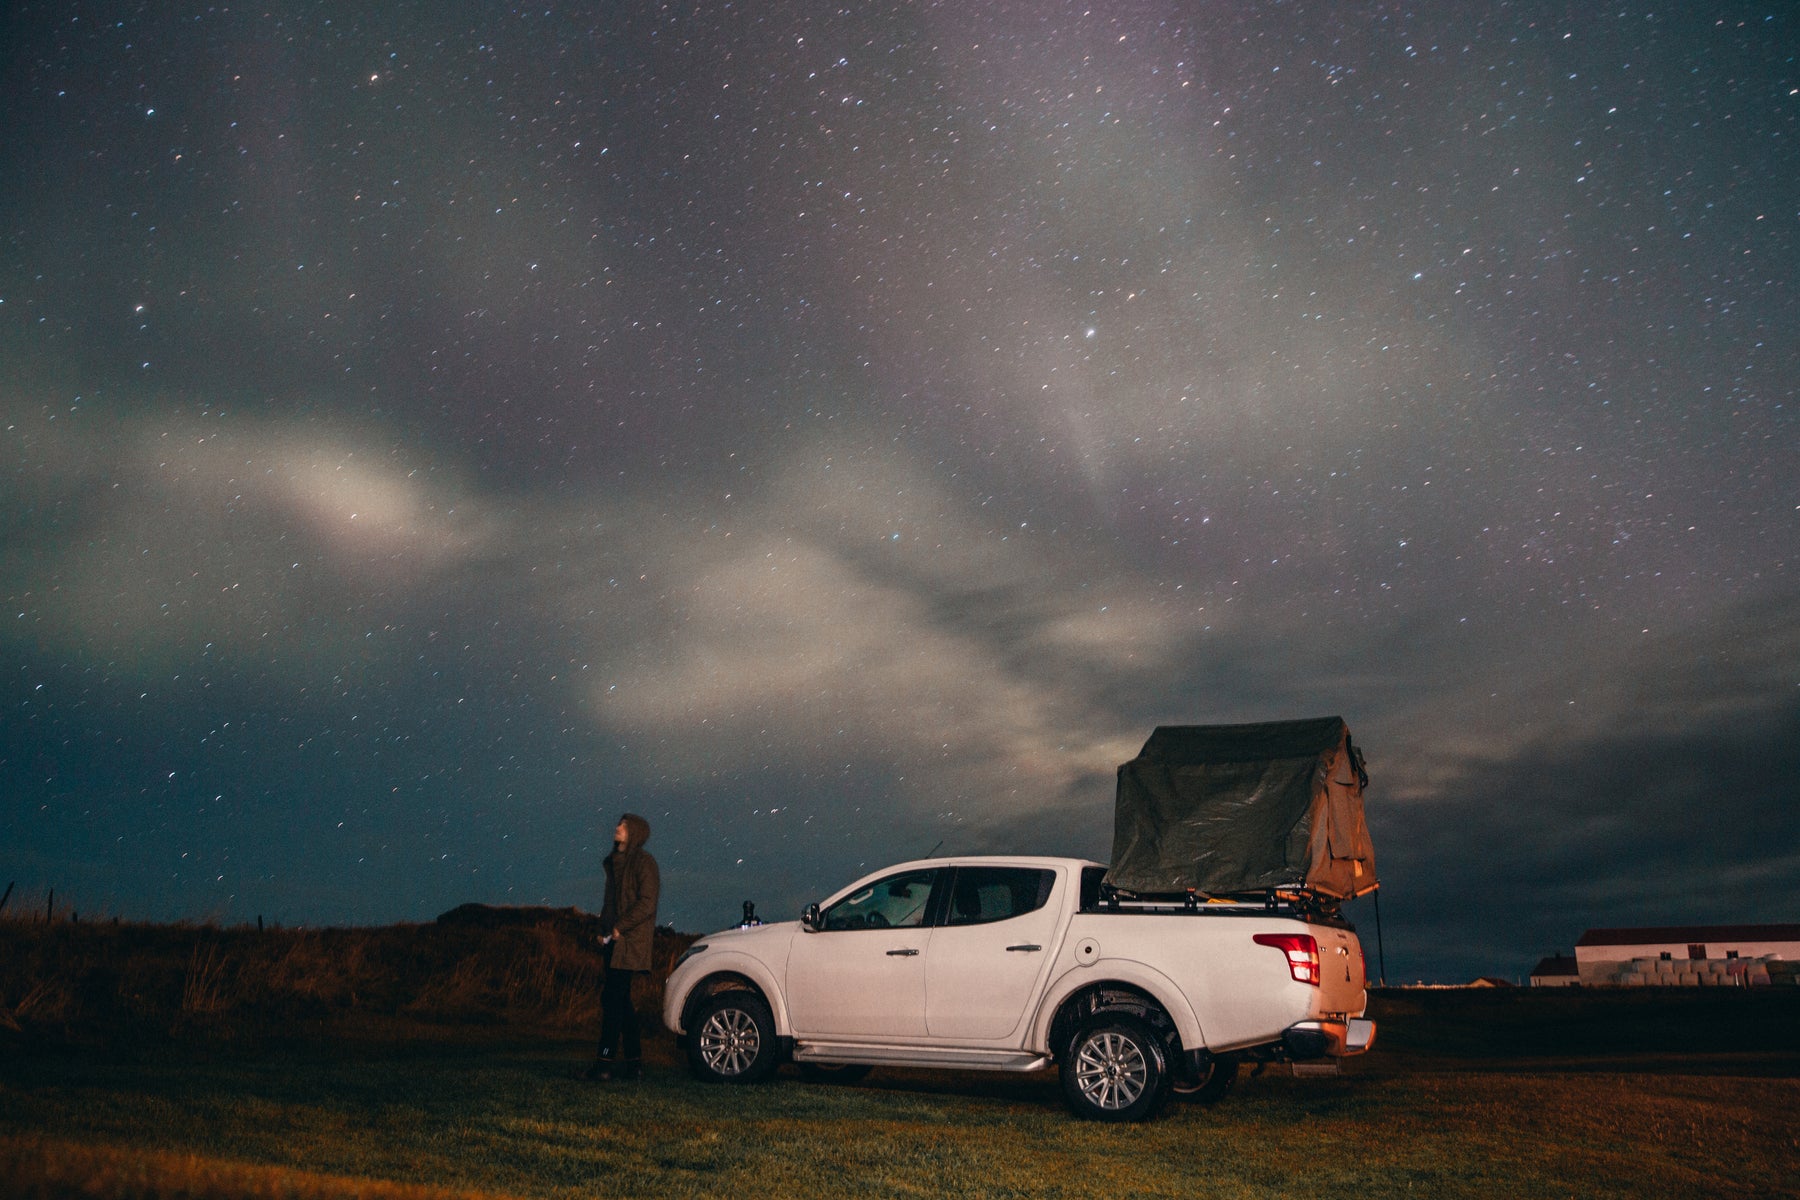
(862, 974)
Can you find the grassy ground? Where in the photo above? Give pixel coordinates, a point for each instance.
(430, 1061)
(1726, 1031)
(436, 1118)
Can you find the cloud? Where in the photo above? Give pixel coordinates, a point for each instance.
(861, 610)
(1665, 798)
(978, 677)
(175, 536)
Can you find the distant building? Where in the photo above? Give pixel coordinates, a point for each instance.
(1688, 956)
(1556, 971)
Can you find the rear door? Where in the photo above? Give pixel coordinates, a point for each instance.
(993, 947)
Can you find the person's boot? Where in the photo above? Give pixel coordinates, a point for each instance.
(600, 1070)
(629, 1069)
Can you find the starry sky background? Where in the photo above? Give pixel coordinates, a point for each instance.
(431, 429)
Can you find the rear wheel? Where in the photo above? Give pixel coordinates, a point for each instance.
(1116, 1069)
(733, 1039)
(1216, 1079)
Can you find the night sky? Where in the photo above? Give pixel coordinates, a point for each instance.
(431, 429)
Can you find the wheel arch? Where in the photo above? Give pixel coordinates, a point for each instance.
(1140, 992)
(738, 974)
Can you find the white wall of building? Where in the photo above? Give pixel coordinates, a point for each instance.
(1743, 963)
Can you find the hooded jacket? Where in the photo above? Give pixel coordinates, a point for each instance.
(633, 885)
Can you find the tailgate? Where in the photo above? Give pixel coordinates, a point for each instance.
(1341, 978)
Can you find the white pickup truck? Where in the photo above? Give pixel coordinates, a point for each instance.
(1016, 963)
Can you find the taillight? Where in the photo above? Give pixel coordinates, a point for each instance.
(1302, 953)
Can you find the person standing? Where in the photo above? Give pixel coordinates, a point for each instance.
(628, 921)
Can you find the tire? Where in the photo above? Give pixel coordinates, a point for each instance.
(840, 1073)
(733, 1040)
(1116, 1069)
(1221, 1074)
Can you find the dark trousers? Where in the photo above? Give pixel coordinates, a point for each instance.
(620, 1039)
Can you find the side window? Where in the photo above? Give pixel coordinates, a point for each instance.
(897, 902)
(1091, 879)
(985, 894)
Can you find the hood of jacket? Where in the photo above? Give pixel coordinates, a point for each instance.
(638, 828)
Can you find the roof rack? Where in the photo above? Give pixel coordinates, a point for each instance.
(1286, 901)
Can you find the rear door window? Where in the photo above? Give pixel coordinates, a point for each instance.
(983, 895)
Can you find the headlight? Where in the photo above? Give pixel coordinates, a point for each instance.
(692, 950)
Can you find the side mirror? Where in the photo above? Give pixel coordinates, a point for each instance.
(810, 920)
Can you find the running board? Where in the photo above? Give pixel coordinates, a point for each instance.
(919, 1056)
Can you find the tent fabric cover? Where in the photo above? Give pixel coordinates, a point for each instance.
(1234, 809)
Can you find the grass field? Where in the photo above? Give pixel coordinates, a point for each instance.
(1444, 1114)
(230, 1086)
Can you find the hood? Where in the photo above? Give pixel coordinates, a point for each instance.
(638, 828)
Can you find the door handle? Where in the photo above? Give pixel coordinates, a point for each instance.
(1029, 949)
(902, 953)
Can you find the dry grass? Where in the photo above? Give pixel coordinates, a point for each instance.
(109, 984)
(41, 1168)
(510, 1121)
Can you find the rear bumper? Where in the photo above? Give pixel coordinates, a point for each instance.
(1328, 1039)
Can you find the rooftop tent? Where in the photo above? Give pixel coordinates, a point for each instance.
(1233, 809)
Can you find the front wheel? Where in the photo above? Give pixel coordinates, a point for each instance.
(733, 1039)
(1116, 1069)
